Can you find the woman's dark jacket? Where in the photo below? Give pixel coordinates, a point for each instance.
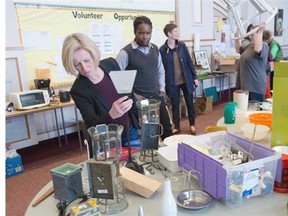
(186, 65)
(92, 105)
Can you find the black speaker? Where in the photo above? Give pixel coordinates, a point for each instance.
(64, 96)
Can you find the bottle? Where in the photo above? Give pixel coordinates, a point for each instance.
(241, 96)
(140, 211)
(230, 113)
(168, 203)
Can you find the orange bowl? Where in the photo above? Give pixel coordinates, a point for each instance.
(261, 118)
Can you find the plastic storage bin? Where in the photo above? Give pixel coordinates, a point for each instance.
(233, 184)
(168, 158)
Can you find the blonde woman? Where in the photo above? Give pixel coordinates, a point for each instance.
(93, 91)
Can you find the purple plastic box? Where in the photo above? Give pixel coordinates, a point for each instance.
(219, 181)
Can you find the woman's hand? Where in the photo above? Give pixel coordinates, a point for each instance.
(262, 26)
(237, 33)
(120, 107)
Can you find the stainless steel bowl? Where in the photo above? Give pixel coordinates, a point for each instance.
(194, 199)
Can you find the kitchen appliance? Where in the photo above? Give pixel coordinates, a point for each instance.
(44, 84)
(29, 99)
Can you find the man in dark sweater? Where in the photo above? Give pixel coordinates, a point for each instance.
(144, 56)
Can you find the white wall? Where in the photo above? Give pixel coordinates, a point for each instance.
(12, 37)
(185, 13)
(280, 4)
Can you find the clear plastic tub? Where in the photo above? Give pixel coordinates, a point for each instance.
(237, 183)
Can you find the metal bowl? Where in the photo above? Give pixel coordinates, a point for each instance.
(194, 199)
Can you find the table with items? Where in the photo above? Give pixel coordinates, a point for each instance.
(56, 105)
(272, 204)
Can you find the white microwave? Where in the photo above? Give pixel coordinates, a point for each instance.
(30, 99)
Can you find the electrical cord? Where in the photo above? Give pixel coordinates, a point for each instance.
(54, 102)
(62, 205)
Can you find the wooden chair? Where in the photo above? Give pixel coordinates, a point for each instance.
(214, 128)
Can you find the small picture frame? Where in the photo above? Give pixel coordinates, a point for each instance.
(278, 23)
(201, 59)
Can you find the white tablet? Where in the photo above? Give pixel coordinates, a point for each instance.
(123, 80)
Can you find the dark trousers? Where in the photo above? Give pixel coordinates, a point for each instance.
(176, 104)
(256, 97)
(271, 79)
(164, 117)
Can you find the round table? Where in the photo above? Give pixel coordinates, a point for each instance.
(232, 128)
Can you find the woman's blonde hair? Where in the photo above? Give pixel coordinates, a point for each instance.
(74, 42)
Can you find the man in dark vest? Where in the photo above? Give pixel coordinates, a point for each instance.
(143, 56)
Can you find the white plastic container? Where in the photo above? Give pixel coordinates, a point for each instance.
(168, 157)
(241, 98)
(240, 120)
(260, 132)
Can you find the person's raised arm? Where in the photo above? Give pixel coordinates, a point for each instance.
(237, 42)
(258, 37)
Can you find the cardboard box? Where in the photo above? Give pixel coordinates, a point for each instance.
(14, 166)
(228, 64)
(204, 105)
(228, 68)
